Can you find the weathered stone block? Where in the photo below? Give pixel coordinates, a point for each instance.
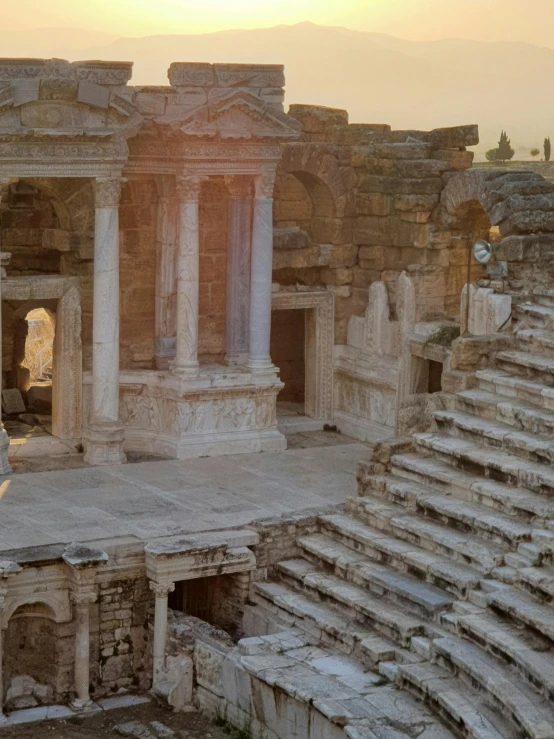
(316, 118)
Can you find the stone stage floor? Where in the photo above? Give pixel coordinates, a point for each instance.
(162, 498)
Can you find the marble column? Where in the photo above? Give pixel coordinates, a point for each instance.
(188, 272)
(82, 602)
(161, 591)
(105, 433)
(261, 272)
(7, 569)
(238, 268)
(166, 281)
(5, 467)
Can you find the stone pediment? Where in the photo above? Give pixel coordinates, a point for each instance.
(238, 115)
(55, 94)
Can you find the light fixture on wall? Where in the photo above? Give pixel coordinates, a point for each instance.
(483, 251)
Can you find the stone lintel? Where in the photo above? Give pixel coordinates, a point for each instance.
(80, 557)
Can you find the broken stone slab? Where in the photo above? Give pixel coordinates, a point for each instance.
(12, 401)
(8, 568)
(161, 730)
(81, 557)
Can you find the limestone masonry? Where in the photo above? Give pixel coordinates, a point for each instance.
(187, 271)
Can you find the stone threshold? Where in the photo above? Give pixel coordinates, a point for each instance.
(49, 713)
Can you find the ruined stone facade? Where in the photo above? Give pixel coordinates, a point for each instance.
(198, 252)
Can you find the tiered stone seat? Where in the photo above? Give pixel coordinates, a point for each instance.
(440, 575)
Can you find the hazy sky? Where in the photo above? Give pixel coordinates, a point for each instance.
(513, 20)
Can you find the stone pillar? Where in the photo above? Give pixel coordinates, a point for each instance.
(82, 602)
(7, 569)
(166, 288)
(5, 467)
(188, 269)
(238, 268)
(105, 433)
(83, 563)
(261, 272)
(161, 591)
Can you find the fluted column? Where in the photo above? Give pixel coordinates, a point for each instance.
(7, 569)
(166, 284)
(161, 592)
(82, 603)
(238, 268)
(188, 273)
(5, 467)
(261, 272)
(105, 433)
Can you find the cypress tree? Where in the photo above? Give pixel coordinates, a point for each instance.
(504, 150)
(547, 149)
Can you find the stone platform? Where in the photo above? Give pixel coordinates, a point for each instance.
(161, 498)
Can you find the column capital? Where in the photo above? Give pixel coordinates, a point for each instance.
(161, 590)
(80, 598)
(239, 186)
(188, 186)
(265, 181)
(107, 191)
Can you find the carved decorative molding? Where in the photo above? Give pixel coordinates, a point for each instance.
(102, 73)
(107, 192)
(83, 598)
(265, 181)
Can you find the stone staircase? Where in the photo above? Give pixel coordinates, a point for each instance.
(439, 578)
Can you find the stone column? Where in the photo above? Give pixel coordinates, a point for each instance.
(7, 569)
(261, 272)
(238, 268)
(166, 287)
(105, 433)
(5, 467)
(82, 602)
(161, 591)
(83, 563)
(188, 269)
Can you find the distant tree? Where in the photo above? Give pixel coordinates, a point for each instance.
(492, 155)
(504, 151)
(547, 149)
(535, 152)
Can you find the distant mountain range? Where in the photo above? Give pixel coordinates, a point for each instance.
(376, 77)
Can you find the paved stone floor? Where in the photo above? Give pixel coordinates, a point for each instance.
(162, 498)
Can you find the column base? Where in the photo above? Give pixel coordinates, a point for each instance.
(260, 365)
(84, 706)
(187, 370)
(5, 467)
(104, 444)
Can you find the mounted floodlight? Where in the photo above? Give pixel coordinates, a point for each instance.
(483, 251)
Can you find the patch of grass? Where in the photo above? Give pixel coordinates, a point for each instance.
(444, 336)
(244, 732)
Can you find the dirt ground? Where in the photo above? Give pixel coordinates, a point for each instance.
(101, 725)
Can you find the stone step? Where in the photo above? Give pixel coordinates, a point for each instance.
(534, 315)
(459, 547)
(496, 464)
(539, 581)
(543, 296)
(512, 412)
(524, 609)
(528, 653)
(357, 602)
(536, 340)
(461, 707)
(323, 622)
(497, 435)
(526, 364)
(403, 590)
(434, 568)
(454, 512)
(446, 479)
(516, 387)
(512, 697)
